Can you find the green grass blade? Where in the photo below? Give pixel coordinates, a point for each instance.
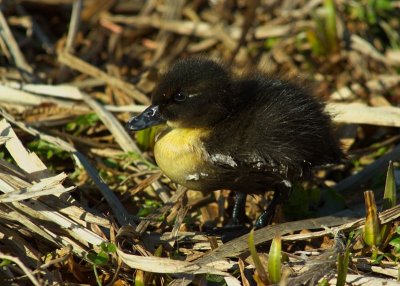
(389, 196)
(372, 236)
(274, 260)
(342, 266)
(257, 262)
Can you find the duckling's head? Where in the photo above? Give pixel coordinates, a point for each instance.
(194, 93)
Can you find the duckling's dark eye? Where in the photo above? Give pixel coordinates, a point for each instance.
(180, 96)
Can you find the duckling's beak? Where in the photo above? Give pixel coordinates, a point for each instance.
(149, 117)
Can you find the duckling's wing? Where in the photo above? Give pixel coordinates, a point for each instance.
(252, 163)
(249, 173)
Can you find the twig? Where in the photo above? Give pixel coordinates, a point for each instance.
(62, 91)
(365, 280)
(27, 272)
(12, 45)
(20, 97)
(77, 64)
(188, 28)
(42, 188)
(364, 47)
(73, 25)
(351, 113)
(126, 108)
(112, 124)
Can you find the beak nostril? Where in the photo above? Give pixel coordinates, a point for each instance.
(150, 112)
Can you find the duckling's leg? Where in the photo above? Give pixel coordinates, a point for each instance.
(281, 195)
(239, 210)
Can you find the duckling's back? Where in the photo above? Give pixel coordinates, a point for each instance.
(276, 129)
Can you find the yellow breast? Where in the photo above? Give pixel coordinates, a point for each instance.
(180, 154)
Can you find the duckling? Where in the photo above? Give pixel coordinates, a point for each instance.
(245, 133)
